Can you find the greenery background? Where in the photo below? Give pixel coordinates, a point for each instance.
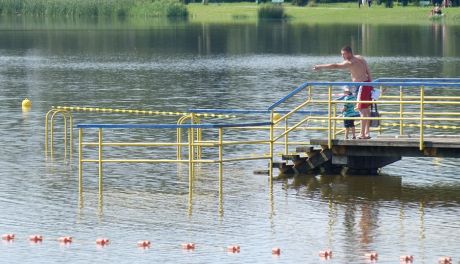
(310, 11)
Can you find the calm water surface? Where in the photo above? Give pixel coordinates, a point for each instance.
(412, 208)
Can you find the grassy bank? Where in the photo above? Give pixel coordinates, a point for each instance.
(94, 8)
(224, 13)
(322, 13)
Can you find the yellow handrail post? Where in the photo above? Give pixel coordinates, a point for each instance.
(52, 135)
(100, 161)
(199, 138)
(380, 121)
(80, 163)
(221, 178)
(334, 114)
(196, 148)
(271, 143)
(190, 160)
(401, 111)
(65, 135)
(286, 137)
(178, 141)
(329, 121)
(192, 144)
(71, 135)
(179, 136)
(422, 101)
(46, 131)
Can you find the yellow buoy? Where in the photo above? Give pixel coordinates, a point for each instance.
(26, 103)
(276, 116)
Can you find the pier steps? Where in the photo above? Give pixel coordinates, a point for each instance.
(363, 157)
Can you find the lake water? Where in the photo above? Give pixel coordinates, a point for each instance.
(412, 208)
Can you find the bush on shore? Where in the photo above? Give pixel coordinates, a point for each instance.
(271, 11)
(299, 2)
(93, 8)
(161, 8)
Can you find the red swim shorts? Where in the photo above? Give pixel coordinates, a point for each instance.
(364, 94)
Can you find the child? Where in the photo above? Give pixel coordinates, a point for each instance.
(348, 110)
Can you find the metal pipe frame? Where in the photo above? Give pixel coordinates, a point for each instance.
(49, 132)
(421, 100)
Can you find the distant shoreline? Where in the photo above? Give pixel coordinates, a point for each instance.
(347, 13)
(234, 13)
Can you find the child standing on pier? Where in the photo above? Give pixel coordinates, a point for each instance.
(348, 110)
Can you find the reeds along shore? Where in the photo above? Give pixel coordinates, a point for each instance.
(94, 8)
(270, 11)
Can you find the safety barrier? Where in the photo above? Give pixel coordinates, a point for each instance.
(278, 127)
(134, 111)
(103, 242)
(66, 113)
(49, 131)
(191, 145)
(410, 107)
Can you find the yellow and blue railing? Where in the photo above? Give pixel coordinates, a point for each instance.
(65, 112)
(397, 104)
(192, 143)
(407, 106)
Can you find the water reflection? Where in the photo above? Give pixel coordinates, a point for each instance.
(210, 39)
(176, 66)
(360, 208)
(346, 189)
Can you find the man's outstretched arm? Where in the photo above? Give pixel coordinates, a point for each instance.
(343, 65)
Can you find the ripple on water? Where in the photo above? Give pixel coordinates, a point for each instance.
(411, 208)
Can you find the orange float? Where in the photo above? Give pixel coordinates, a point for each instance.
(143, 243)
(8, 237)
(35, 238)
(188, 246)
(371, 255)
(406, 259)
(276, 251)
(325, 253)
(445, 260)
(102, 241)
(233, 249)
(65, 240)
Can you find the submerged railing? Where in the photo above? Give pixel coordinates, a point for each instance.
(192, 144)
(50, 129)
(66, 113)
(412, 105)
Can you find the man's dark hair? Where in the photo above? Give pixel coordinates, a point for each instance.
(347, 49)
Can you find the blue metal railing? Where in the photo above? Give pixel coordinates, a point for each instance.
(431, 80)
(375, 83)
(252, 111)
(170, 126)
(194, 148)
(420, 83)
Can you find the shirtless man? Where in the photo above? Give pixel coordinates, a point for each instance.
(360, 72)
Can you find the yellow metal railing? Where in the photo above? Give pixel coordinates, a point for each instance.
(50, 129)
(419, 105)
(411, 110)
(192, 145)
(135, 111)
(66, 113)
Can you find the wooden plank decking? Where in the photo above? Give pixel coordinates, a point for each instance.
(404, 146)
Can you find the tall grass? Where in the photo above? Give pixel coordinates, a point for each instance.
(160, 8)
(92, 8)
(270, 11)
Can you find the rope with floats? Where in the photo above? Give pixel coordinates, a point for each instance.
(138, 112)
